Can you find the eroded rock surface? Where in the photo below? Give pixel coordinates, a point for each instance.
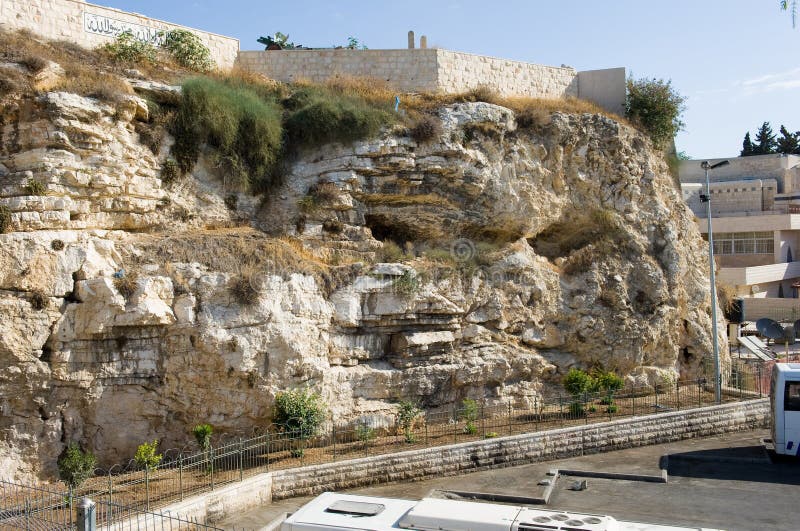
(566, 245)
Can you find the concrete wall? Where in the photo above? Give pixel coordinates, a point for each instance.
(783, 168)
(460, 72)
(407, 70)
(90, 25)
(778, 309)
(604, 87)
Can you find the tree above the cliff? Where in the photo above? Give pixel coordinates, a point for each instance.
(765, 140)
(747, 146)
(655, 106)
(788, 143)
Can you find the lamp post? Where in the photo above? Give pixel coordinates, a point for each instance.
(707, 200)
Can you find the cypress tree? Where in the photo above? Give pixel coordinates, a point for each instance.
(765, 140)
(788, 142)
(747, 146)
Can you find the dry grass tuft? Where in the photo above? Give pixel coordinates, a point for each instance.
(126, 285)
(39, 300)
(87, 72)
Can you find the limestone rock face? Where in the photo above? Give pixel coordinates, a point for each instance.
(561, 245)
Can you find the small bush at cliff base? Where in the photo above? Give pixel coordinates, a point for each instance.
(656, 106)
(146, 456)
(202, 434)
(299, 412)
(75, 466)
(244, 291)
(242, 127)
(126, 285)
(407, 413)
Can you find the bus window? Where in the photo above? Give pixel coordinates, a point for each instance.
(791, 397)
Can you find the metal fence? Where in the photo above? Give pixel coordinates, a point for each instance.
(181, 474)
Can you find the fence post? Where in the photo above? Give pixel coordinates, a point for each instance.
(699, 392)
(147, 487)
(87, 519)
(180, 476)
(508, 418)
(455, 423)
(536, 416)
(758, 373)
(561, 408)
(28, 514)
(333, 436)
(483, 418)
(269, 438)
(426, 428)
(110, 498)
(634, 403)
(678, 394)
(211, 466)
(241, 459)
(70, 502)
(585, 413)
(655, 387)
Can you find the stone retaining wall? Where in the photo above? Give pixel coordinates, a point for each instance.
(90, 25)
(478, 455)
(521, 449)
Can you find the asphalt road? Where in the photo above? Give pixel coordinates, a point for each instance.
(725, 482)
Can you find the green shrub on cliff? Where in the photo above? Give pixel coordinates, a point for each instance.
(656, 106)
(244, 129)
(319, 115)
(188, 50)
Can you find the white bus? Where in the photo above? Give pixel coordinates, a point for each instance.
(332, 511)
(784, 398)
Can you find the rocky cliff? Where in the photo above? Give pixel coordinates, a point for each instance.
(483, 262)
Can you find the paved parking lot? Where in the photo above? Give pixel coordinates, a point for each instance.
(725, 482)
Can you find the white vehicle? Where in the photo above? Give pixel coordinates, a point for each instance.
(340, 512)
(784, 399)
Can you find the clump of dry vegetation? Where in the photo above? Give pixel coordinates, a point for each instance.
(39, 300)
(87, 72)
(126, 284)
(242, 249)
(426, 128)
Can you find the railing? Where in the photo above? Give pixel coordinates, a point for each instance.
(182, 475)
(35, 508)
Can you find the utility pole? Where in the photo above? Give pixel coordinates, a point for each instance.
(707, 200)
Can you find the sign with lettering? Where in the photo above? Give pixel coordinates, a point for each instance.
(102, 25)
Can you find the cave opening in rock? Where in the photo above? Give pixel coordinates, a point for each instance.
(384, 229)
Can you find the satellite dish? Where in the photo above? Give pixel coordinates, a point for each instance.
(769, 328)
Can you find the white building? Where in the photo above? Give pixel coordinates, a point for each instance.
(755, 209)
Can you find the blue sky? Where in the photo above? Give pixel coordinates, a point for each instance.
(737, 61)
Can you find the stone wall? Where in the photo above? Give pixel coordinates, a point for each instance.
(437, 70)
(473, 456)
(459, 72)
(407, 70)
(91, 25)
(522, 449)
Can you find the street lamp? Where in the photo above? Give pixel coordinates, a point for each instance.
(707, 200)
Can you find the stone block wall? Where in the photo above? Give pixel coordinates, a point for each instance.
(474, 456)
(91, 25)
(406, 70)
(459, 72)
(521, 449)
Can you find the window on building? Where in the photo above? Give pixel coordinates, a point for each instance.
(743, 243)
